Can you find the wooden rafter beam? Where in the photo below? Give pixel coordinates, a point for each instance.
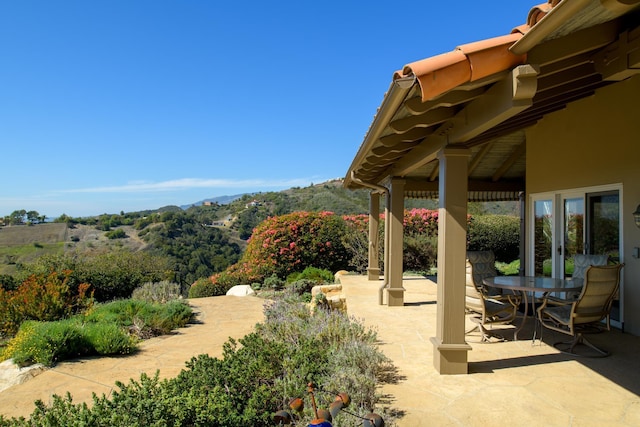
(435, 172)
(621, 59)
(503, 100)
(475, 161)
(428, 119)
(506, 165)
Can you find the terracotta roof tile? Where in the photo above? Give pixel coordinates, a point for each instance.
(467, 63)
(470, 62)
(538, 12)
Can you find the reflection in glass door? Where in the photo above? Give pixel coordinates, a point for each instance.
(603, 234)
(573, 233)
(604, 230)
(543, 238)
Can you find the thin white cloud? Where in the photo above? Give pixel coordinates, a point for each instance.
(192, 183)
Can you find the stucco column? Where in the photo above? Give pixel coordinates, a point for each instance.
(449, 346)
(387, 227)
(395, 291)
(373, 269)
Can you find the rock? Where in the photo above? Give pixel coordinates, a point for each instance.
(339, 274)
(334, 297)
(11, 374)
(241, 291)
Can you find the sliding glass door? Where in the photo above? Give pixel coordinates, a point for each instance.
(566, 223)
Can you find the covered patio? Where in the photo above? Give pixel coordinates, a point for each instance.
(509, 383)
(545, 115)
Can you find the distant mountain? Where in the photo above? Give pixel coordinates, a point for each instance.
(221, 200)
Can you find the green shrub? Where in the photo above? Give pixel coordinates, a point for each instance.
(274, 282)
(46, 343)
(508, 269)
(203, 288)
(303, 286)
(107, 339)
(116, 234)
(8, 282)
(499, 233)
(142, 318)
(420, 252)
(318, 275)
(101, 331)
(112, 275)
(157, 292)
(178, 312)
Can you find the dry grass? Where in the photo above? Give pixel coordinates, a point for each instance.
(24, 243)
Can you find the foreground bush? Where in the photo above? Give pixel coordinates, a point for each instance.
(112, 275)
(43, 297)
(109, 329)
(50, 342)
(255, 377)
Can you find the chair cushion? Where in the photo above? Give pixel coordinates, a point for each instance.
(582, 261)
(560, 314)
(481, 265)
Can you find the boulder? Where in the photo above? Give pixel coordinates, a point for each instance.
(241, 291)
(11, 374)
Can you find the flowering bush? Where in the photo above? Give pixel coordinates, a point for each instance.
(287, 244)
(421, 221)
(41, 297)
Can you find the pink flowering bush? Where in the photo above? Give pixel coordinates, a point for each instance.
(287, 244)
(420, 221)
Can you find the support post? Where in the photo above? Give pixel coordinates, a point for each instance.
(395, 291)
(449, 345)
(373, 269)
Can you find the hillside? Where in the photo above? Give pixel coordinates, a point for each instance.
(25, 243)
(200, 240)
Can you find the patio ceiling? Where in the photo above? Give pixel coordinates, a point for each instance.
(482, 96)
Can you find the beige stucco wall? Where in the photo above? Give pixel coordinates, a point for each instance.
(592, 142)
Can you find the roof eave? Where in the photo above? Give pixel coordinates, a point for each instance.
(393, 99)
(571, 14)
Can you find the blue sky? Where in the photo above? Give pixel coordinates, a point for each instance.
(109, 106)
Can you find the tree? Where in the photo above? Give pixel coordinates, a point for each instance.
(33, 217)
(18, 217)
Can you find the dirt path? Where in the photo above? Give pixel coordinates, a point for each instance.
(218, 318)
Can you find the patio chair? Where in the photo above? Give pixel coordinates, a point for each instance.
(580, 264)
(486, 305)
(586, 314)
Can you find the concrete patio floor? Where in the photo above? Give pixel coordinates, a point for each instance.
(509, 383)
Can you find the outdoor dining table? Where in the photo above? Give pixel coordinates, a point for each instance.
(526, 285)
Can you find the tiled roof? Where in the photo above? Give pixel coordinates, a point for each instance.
(470, 62)
(430, 101)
